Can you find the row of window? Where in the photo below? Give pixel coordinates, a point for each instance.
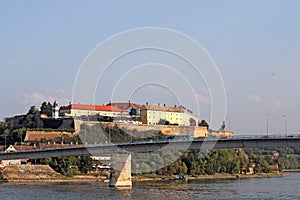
(162, 112)
(165, 118)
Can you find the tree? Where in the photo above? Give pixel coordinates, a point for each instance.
(223, 126)
(3, 127)
(133, 112)
(85, 164)
(46, 108)
(280, 163)
(60, 164)
(32, 118)
(204, 123)
(269, 160)
(145, 168)
(33, 111)
(261, 165)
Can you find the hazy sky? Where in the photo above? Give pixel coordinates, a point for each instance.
(255, 44)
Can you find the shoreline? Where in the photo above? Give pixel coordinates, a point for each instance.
(211, 177)
(291, 170)
(39, 174)
(64, 180)
(103, 181)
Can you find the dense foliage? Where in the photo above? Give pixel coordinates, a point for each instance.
(193, 162)
(196, 162)
(46, 108)
(70, 165)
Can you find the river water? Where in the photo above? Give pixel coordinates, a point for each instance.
(256, 188)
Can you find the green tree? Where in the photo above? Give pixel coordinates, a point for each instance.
(203, 123)
(223, 126)
(3, 127)
(269, 160)
(60, 164)
(46, 108)
(223, 161)
(280, 163)
(32, 118)
(261, 165)
(133, 112)
(85, 164)
(145, 168)
(33, 111)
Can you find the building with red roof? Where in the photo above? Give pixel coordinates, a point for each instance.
(124, 106)
(116, 110)
(88, 110)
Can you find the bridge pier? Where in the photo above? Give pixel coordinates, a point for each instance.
(120, 174)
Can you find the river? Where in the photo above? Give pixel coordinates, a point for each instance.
(256, 188)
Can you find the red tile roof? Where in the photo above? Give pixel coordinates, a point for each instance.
(124, 105)
(57, 145)
(23, 147)
(107, 108)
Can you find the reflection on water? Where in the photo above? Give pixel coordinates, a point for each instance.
(256, 188)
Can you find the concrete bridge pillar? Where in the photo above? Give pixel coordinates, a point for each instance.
(120, 175)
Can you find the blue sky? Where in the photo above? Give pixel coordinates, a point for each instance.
(255, 44)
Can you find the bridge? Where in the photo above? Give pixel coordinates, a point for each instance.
(121, 152)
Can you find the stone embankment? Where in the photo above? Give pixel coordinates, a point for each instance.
(40, 174)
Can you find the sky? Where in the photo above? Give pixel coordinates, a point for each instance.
(254, 44)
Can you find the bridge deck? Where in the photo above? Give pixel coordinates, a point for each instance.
(153, 146)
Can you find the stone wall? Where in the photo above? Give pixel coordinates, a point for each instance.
(221, 134)
(45, 135)
(194, 131)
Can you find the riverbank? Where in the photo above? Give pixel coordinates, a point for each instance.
(45, 174)
(42, 174)
(209, 177)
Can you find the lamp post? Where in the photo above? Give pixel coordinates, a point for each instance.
(286, 123)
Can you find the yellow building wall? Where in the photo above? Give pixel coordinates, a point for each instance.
(76, 112)
(153, 117)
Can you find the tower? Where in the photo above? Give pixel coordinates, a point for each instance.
(55, 110)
